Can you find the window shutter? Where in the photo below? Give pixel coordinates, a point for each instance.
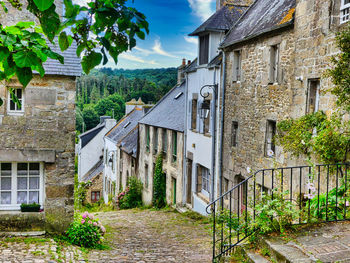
(199, 178)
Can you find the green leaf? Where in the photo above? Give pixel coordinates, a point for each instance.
(50, 23)
(43, 4)
(26, 59)
(141, 35)
(4, 53)
(24, 75)
(90, 61)
(64, 41)
(25, 25)
(105, 58)
(54, 55)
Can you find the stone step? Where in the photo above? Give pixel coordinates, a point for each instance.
(254, 257)
(286, 252)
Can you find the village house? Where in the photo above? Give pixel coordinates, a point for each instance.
(37, 144)
(202, 119)
(161, 131)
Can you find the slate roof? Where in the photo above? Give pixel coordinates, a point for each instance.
(96, 170)
(169, 112)
(222, 20)
(71, 66)
(192, 67)
(129, 142)
(263, 16)
(86, 137)
(215, 61)
(125, 125)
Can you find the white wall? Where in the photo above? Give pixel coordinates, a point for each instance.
(108, 173)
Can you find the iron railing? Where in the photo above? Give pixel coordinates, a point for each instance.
(317, 193)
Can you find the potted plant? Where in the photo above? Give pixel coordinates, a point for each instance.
(34, 207)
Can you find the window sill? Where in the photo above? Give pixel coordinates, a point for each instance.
(207, 135)
(18, 113)
(203, 197)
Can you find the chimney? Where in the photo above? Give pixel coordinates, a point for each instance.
(189, 62)
(221, 3)
(180, 72)
(130, 105)
(104, 118)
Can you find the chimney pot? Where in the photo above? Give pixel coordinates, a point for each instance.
(183, 62)
(188, 62)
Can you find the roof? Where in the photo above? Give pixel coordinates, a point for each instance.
(71, 66)
(215, 61)
(169, 112)
(125, 125)
(94, 171)
(222, 20)
(86, 137)
(192, 67)
(129, 142)
(263, 16)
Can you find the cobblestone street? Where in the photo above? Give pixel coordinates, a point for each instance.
(132, 235)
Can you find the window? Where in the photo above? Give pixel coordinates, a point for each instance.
(13, 107)
(269, 138)
(155, 140)
(344, 11)
(203, 180)
(313, 96)
(174, 137)
(20, 183)
(225, 187)
(146, 176)
(120, 181)
(234, 133)
(206, 121)
(237, 61)
(165, 141)
(194, 114)
(274, 64)
(95, 196)
(147, 138)
(203, 49)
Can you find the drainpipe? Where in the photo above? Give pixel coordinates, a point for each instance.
(184, 179)
(222, 120)
(213, 137)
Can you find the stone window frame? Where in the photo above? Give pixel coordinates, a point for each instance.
(146, 176)
(14, 185)
(174, 140)
(274, 64)
(313, 92)
(271, 129)
(344, 11)
(164, 142)
(148, 138)
(237, 66)
(234, 134)
(22, 100)
(155, 140)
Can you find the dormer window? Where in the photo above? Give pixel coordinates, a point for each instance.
(344, 11)
(203, 49)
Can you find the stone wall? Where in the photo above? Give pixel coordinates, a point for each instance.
(127, 169)
(173, 170)
(96, 186)
(45, 132)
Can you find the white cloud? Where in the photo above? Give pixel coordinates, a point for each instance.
(143, 51)
(201, 8)
(192, 40)
(130, 57)
(157, 49)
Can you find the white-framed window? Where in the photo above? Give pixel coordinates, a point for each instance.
(237, 65)
(12, 106)
(205, 180)
(344, 11)
(20, 183)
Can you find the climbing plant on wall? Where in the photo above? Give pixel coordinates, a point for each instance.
(159, 184)
(101, 28)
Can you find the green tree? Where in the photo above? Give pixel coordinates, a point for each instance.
(79, 120)
(90, 116)
(159, 184)
(105, 106)
(105, 25)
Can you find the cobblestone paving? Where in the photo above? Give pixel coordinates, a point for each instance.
(133, 236)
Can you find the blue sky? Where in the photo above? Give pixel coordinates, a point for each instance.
(170, 23)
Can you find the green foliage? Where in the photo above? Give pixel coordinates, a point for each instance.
(80, 192)
(340, 74)
(34, 207)
(132, 196)
(79, 120)
(159, 184)
(90, 117)
(315, 134)
(86, 231)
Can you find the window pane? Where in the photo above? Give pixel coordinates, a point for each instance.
(6, 183)
(22, 197)
(22, 169)
(34, 183)
(34, 197)
(6, 169)
(34, 168)
(19, 93)
(6, 198)
(22, 183)
(12, 105)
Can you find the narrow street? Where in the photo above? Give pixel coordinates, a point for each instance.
(132, 235)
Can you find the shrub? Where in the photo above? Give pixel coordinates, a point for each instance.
(86, 231)
(159, 184)
(131, 197)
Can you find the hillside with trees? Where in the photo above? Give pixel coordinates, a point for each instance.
(104, 92)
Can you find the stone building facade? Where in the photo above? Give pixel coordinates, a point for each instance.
(37, 145)
(161, 131)
(280, 66)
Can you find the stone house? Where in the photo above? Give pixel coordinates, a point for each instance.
(120, 152)
(37, 145)
(90, 147)
(93, 180)
(201, 103)
(275, 57)
(161, 130)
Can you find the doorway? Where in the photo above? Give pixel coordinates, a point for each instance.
(189, 182)
(173, 190)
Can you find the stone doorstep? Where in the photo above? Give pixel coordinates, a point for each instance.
(254, 257)
(23, 234)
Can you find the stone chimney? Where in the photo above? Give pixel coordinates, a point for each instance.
(221, 3)
(181, 72)
(130, 105)
(109, 122)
